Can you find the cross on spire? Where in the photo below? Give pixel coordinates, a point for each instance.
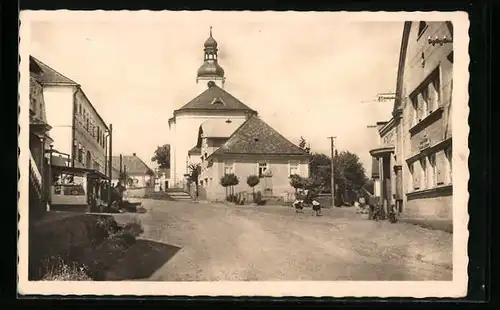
(210, 30)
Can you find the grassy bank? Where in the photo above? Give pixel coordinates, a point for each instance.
(78, 247)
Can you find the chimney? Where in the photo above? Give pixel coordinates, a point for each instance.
(133, 154)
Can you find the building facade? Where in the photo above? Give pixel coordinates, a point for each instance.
(214, 102)
(416, 156)
(138, 174)
(252, 148)
(78, 131)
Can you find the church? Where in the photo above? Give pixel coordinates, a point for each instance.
(217, 130)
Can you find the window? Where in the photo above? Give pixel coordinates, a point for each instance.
(432, 180)
(80, 153)
(421, 28)
(294, 168)
(262, 169)
(426, 98)
(448, 155)
(228, 167)
(423, 173)
(75, 149)
(80, 109)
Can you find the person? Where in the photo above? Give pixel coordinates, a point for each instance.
(316, 207)
(297, 204)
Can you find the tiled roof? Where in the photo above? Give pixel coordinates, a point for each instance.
(258, 138)
(46, 75)
(215, 98)
(135, 165)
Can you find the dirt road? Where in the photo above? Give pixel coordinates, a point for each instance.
(206, 242)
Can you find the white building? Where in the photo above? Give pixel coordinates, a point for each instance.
(213, 103)
(77, 128)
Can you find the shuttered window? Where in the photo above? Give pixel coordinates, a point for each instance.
(423, 173)
(441, 168)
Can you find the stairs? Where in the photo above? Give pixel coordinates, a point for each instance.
(179, 195)
(170, 195)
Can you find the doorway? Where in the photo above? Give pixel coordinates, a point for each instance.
(166, 185)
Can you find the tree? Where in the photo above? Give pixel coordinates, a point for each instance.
(252, 181)
(296, 181)
(304, 145)
(229, 180)
(194, 174)
(162, 156)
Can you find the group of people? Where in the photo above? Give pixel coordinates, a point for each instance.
(304, 196)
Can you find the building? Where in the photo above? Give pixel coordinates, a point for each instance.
(415, 155)
(139, 175)
(214, 102)
(162, 179)
(39, 143)
(78, 131)
(245, 148)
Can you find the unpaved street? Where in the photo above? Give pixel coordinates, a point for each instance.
(207, 242)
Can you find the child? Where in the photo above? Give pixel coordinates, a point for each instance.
(298, 205)
(316, 207)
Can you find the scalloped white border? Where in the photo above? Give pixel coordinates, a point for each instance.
(455, 288)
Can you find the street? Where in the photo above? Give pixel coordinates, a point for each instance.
(212, 242)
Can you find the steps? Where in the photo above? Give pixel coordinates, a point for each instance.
(170, 195)
(180, 196)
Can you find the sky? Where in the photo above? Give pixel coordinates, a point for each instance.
(307, 74)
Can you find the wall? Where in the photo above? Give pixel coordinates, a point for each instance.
(185, 135)
(59, 111)
(89, 137)
(436, 128)
(243, 167)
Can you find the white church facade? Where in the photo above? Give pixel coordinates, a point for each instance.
(213, 103)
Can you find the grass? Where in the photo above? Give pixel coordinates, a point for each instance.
(81, 247)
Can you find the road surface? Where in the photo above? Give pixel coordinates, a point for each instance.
(211, 242)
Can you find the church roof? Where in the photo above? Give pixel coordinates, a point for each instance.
(215, 98)
(46, 75)
(255, 137)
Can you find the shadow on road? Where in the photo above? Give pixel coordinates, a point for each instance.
(142, 260)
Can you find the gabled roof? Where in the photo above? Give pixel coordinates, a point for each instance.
(215, 98)
(135, 165)
(46, 75)
(258, 138)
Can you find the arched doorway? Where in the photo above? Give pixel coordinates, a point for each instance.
(88, 160)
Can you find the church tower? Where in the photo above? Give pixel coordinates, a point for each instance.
(210, 70)
(212, 102)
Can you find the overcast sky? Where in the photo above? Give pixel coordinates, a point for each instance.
(307, 74)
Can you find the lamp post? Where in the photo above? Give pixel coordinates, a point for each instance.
(106, 153)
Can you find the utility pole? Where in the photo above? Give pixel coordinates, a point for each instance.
(110, 158)
(332, 169)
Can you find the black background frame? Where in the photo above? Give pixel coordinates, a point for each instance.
(480, 211)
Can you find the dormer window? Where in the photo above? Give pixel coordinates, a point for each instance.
(218, 101)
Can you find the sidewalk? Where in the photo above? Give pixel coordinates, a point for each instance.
(435, 224)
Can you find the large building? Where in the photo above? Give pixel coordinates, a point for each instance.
(78, 131)
(415, 156)
(213, 103)
(245, 148)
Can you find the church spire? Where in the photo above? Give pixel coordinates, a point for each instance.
(210, 70)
